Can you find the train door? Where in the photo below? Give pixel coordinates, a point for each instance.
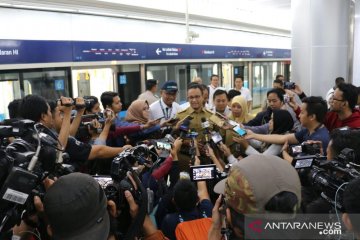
(129, 87)
(10, 90)
(227, 76)
(263, 74)
(92, 82)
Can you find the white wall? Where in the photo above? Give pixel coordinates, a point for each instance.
(41, 25)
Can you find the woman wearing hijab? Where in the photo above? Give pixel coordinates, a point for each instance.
(281, 122)
(239, 114)
(138, 112)
(239, 110)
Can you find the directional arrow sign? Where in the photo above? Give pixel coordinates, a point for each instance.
(158, 51)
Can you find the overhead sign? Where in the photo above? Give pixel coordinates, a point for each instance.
(108, 51)
(33, 51)
(167, 51)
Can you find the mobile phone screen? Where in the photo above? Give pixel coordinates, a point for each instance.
(204, 172)
(240, 131)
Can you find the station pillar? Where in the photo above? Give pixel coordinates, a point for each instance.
(322, 43)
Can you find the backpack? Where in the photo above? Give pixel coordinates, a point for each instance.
(195, 229)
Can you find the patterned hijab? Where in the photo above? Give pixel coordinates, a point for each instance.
(135, 112)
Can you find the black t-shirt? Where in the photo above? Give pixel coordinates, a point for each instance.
(78, 151)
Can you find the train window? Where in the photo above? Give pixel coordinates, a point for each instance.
(50, 84)
(10, 90)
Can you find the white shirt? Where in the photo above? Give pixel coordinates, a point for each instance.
(245, 93)
(159, 109)
(148, 96)
(212, 89)
(329, 95)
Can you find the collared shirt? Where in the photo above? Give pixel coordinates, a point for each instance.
(195, 123)
(225, 113)
(212, 89)
(245, 93)
(148, 96)
(159, 109)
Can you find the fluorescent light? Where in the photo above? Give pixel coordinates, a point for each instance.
(44, 8)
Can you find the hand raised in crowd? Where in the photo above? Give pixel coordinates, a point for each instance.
(150, 124)
(210, 152)
(176, 147)
(297, 89)
(65, 104)
(217, 221)
(242, 141)
(167, 123)
(249, 134)
(285, 154)
(225, 149)
(292, 103)
(109, 115)
(80, 103)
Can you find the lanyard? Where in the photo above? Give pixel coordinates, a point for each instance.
(167, 115)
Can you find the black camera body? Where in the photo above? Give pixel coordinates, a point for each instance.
(328, 176)
(208, 172)
(289, 85)
(24, 164)
(305, 149)
(115, 185)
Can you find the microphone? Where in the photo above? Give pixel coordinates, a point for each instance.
(184, 128)
(205, 125)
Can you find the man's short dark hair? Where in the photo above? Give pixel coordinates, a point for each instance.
(345, 138)
(279, 76)
(195, 85)
(52, 105)
(185, 195)
(278, 91)
(89, 107)
(220, 92)
(352, 203)
(239, 76)
(316, 106)
(150, 83)
(14, 108)
(349, 93)
(339, 80)
(279, 82)
(32, 107)
(106, 98)
(233, 93)
(213, 75)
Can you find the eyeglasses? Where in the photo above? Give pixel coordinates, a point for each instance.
(340, 100)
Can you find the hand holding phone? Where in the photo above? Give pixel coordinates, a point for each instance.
(239, 130)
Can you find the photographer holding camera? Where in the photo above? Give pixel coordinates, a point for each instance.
(340, 140)
(36, 108)
(257, 186)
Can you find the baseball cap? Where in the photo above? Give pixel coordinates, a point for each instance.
(170, 86)
(254, 180)
(76, 208)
